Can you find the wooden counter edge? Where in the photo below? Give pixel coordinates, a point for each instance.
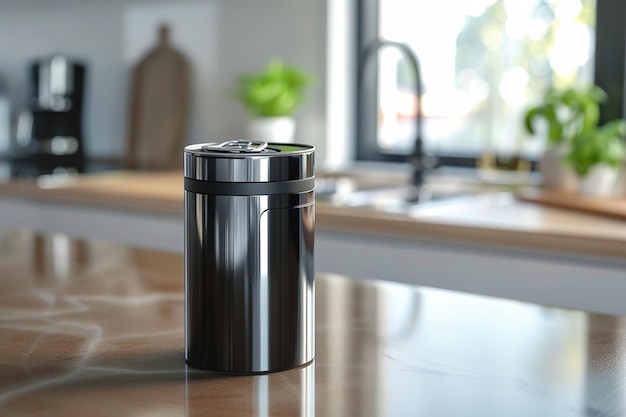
(362, 222)
(349, 220)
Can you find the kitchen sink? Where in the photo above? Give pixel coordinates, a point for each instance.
(395, 195)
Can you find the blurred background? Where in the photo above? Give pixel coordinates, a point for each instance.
(482, 63)
(218, 38)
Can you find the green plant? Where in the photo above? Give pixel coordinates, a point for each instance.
(566, 113)
(603, 145)
(572, 118)
(275, 91)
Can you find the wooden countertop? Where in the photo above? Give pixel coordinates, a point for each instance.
(496, 219)
(92, 328)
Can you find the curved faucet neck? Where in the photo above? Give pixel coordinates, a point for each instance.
(416, 158)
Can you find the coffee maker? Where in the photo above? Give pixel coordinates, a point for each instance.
(49, 128)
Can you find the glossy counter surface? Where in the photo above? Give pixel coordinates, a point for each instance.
(91, 328)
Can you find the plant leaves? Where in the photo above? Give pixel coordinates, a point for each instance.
(277, 90)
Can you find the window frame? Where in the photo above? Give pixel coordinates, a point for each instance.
(609, 74)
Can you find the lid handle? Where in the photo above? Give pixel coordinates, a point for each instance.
(246, 146)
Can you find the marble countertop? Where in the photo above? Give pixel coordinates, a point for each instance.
(93, 328)
(496, 219)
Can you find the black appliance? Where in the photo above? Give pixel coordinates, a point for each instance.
(50, 127)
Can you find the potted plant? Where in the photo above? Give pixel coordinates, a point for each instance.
(271, 97)
(565, 114)
(580, 153)
(596, 156)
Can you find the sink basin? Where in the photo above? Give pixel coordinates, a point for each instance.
(392, 195)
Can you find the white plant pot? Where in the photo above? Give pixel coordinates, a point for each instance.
(556, 174)
(601, 181)
(272, 129)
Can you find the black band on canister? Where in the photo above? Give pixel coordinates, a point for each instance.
(249, 188)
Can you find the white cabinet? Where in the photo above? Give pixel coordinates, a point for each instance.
(554, 279)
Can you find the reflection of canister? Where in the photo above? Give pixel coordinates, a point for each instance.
(249, 279)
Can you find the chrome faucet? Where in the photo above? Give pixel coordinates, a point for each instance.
(416, 159)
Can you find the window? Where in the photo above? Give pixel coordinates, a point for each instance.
(482, 62)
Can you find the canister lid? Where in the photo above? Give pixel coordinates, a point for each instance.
(248, 161)
(237, 146)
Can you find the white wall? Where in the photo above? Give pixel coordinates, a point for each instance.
(221, 38)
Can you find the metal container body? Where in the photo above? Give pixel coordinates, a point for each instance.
(249, 276)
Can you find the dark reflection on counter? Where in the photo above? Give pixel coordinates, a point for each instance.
(57, 256)
(287, 393)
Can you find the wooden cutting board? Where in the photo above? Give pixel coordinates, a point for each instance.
(609, 207)
(158, 108)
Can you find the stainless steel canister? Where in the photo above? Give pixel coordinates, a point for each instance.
(249, 277)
